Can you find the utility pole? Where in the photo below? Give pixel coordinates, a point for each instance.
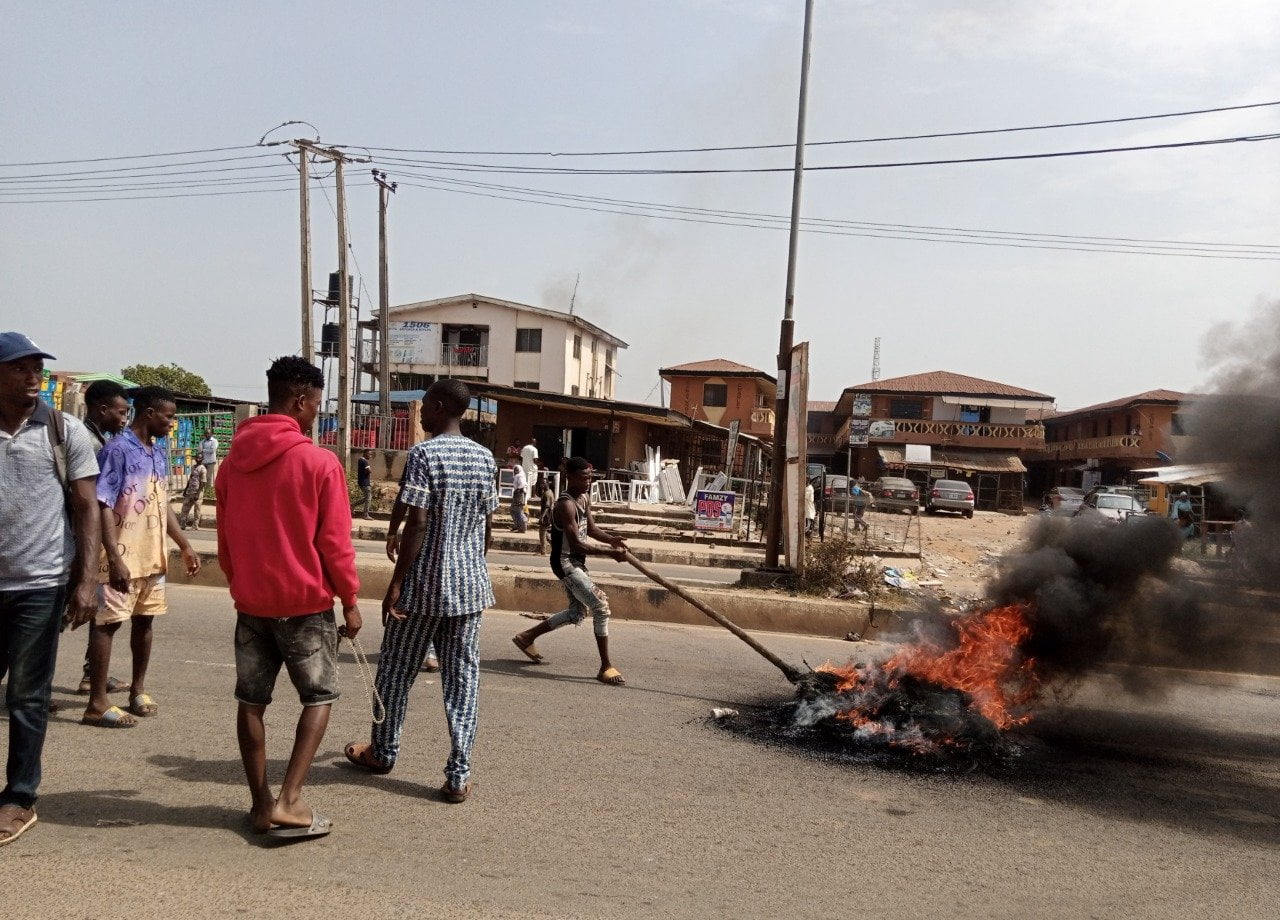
(786, 336)
(304, 217)
(344, 320)
(385, 190)
(339, 160)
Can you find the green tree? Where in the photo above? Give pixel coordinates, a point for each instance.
(169, 376)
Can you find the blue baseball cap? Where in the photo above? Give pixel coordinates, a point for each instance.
(15, 345)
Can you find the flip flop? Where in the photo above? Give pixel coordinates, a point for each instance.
(362, 757)
(20, 831)
(320, 825)
(611, 676)
(115, 717)
(113, 686)
(529, 649)
(431, 665)
(142, 705)
(455, 796)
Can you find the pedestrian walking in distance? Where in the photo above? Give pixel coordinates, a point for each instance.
(571, 521)
(50, 531)
(364, 479)
(193, 497)
(209, 453)
(133, 489)
(440, 586)
(519, 495)
(284, 542)
(546, 501)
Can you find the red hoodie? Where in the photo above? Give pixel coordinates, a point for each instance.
(284, 522)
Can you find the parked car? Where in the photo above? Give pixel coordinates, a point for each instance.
(1109, 506)
(1141, 493)
(895, 493)
(949, 495)
(837, 490)
(1062, 500)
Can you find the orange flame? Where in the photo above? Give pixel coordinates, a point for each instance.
(984, 663)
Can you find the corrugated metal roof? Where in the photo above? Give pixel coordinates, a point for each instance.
(481, 298)
(715, 366)
(1161, 396)
(978, 461)
(945, 383)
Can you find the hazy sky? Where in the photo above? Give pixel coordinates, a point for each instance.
(211, 282)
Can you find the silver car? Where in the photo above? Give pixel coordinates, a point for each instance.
(1109, 506)
(949, 495)
(896, 493)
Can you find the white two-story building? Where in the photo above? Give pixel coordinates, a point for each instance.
(474, 337)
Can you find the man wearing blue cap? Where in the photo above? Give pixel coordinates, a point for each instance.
(50, 534)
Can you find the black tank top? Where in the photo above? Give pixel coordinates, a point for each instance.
(561, 559)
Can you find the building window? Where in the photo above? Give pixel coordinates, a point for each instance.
(527, 385)
(1176, 425)
(906, 408)
(715, 395)
(528, 340)
(981, 414)
(1108, 427)
(608, 355)
(573, 390)
(577, 346)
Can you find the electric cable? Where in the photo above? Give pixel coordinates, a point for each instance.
(859, 140)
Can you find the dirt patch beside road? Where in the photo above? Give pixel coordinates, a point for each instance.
(958, 554)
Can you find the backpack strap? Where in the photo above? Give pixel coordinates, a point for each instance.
(57, 431)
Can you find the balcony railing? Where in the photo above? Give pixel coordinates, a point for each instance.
(762, 417)
(1121, 444)
(931, 431)
(452, 355)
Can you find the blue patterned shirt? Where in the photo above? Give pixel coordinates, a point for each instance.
(454, 479)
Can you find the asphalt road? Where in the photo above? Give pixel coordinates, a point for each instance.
(592, 801)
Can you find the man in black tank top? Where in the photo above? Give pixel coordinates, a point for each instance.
(570, 522)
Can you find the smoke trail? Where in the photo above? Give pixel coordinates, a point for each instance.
(1237, 423)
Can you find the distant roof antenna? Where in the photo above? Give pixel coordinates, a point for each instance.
(875, 360)
(574, 295)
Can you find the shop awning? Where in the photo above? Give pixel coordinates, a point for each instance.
(977, 461)
(1186, 475)
(995, 402)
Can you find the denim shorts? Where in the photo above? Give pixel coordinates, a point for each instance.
(307, 646)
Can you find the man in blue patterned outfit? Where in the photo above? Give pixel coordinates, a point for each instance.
(440, 585)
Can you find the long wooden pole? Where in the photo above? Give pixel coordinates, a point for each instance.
(791, 672)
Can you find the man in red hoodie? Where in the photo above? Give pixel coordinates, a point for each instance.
(284, 542)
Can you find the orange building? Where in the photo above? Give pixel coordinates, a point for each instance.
(1104, 443)
(721, 391)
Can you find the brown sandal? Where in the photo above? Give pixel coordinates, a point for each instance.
(361, 755)
(455, 796)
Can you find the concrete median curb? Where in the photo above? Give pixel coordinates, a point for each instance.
(539, 592)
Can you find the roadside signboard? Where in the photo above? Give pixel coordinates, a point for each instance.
(714, 510)
(735, 427)
(859, 432)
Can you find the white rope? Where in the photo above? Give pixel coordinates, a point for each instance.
(370, 689)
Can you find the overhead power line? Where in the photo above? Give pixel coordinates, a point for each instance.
(454, 166)
(131, 156)
(966, 238)
(859, 140)
(820, 221)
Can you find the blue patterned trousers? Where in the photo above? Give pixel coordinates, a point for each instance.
(457, 642)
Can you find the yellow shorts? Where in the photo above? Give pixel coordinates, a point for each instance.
(145, 598)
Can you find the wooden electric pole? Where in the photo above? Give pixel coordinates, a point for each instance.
(339, 160)
(304, 217)
(385, 190)
(787, 335)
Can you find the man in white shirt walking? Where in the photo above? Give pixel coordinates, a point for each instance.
(209, 454)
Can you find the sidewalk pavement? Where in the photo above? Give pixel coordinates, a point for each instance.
(710, 554)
